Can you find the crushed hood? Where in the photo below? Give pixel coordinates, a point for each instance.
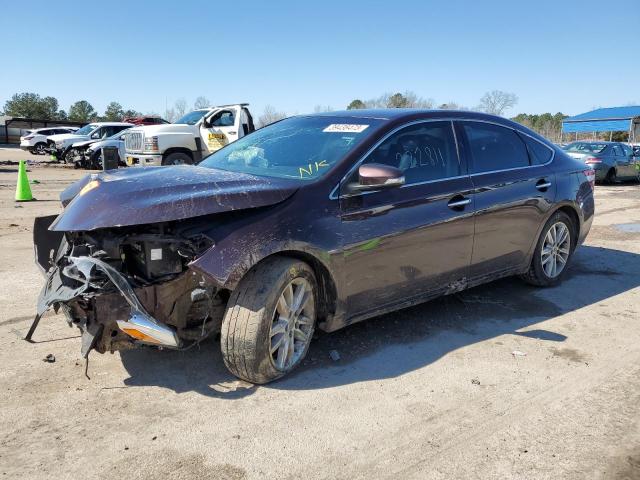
(135, 196)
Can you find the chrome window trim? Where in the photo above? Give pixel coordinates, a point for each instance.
(334, 195)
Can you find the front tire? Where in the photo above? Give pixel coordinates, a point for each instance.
(553, 252)
(270, 319)
(177, 158)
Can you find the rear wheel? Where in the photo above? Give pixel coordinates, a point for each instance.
(39, 148)
(177, 158)
(553, 252)
(270, 319)
(611, 177)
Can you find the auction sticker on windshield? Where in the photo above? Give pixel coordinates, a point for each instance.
(345, 127)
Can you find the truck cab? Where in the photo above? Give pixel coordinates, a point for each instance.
(190, 138)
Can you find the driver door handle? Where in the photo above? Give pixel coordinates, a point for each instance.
(458, 202)
(543, 184)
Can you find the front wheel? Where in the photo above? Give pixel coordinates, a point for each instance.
(177, 158)
(553, 252)
(270, 319)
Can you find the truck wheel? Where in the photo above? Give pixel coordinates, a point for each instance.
(270, 318)
(553, 252)
(177, 158)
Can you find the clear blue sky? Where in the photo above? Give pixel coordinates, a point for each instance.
(564, 56)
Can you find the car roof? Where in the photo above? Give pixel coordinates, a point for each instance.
(409, 113)
(112, 124)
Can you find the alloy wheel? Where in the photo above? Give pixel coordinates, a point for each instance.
(555, 249)
(292, 325)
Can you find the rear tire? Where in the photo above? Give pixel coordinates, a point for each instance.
(39, 148)
(538, 273)
(611, 177)
(177, 158)
(256, 325)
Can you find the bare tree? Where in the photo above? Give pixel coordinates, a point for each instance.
(321, 108)
(415, 101)
(497, 101)
(269, 115)
(180, 107)
(201, 102)
(399, 100)
(451, 106)
(170, 115)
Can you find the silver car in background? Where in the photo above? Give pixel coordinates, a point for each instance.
(88, 153)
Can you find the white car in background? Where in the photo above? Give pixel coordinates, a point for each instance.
(35, 141)
(60, 145)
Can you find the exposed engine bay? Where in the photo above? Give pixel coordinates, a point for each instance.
(129, 286)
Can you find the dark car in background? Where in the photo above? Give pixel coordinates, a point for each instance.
(315, 221)
(612, 161)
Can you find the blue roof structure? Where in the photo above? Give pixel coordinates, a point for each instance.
(616, 119)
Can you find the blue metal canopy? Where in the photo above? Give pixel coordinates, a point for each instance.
(616, 119)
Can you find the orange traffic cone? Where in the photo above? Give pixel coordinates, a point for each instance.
(23, 190)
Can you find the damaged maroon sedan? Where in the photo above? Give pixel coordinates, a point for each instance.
(313, 222)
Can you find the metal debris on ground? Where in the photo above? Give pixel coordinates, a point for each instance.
(335, 356)
(518, 353)
(475, 381)
(49, 358)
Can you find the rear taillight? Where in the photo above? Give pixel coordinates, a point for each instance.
(591, 177)
(592, 160)
(29, 137)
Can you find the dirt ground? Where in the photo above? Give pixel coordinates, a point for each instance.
(434, 391)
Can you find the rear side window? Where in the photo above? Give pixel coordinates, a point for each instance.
(617, 151)
(494, 147)
(538, 153)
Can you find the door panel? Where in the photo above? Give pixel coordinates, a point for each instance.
(509, 212)
(512, 197)
(223, 128)
(405, 242)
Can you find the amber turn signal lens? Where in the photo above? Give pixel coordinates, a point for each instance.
(137, 334)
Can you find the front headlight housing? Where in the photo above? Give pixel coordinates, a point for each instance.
(151, 144)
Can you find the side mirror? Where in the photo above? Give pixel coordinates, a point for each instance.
(375, 176)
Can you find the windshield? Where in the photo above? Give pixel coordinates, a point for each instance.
(117, 136)
(86, 130)
(192, 118)
(585, 147)
(304, 148)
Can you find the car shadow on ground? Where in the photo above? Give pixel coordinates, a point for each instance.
(400, 342)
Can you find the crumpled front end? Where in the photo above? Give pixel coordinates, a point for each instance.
(125, 287)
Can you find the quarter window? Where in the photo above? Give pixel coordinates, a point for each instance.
(424, 152)
(494, 147)
(538, 153)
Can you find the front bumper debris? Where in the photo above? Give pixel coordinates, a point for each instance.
(59, 289)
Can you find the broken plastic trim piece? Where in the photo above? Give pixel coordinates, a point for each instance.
(140, 321)
(143, 327)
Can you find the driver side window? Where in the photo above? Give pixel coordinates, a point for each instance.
(223, 119)
(424, 152)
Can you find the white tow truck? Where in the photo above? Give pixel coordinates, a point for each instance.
(189, 139)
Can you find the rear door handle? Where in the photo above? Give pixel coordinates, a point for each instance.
(460, 203)
(543, 184)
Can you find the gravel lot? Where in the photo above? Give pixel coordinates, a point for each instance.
(433, 391)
